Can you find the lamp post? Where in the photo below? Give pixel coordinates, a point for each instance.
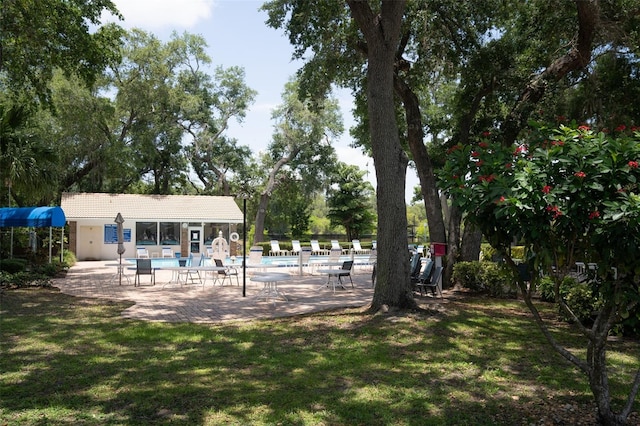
(244, 195)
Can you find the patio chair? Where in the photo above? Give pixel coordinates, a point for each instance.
(305, 258)
(315, 248)
(276, 250)
(346, 266)
(143, 267)
(415, 266)
(255, 255)
(187, 274)
(142, 253)
(228, 272)
(334, 255)
(424, 275)
(167, 252)
(209, 251)
(357, 248)
(295, 247)
(432, 282)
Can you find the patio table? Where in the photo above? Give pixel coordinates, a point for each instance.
(333, 273)
(270, 288)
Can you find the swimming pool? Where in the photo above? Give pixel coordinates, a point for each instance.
(273, 261)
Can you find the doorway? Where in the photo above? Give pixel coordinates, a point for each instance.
(195, 240)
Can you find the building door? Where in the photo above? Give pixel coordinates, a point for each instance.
(195, 240)
(90, 243)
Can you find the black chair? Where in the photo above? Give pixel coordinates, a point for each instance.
(432, 282)
(226, 273)
(415, 267)
(346, 266)
(143, 267)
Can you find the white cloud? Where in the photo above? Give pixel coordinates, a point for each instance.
(162, 14)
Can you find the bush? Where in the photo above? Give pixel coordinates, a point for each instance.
(52, 269)
(13, 265)
(468, 275)
(24, 279)
(582, 300)
(497, 280)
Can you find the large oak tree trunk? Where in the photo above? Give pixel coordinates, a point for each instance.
(382, 33)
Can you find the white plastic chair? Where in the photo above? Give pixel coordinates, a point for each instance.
(276, 250)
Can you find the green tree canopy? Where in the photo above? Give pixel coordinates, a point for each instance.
(351, 200)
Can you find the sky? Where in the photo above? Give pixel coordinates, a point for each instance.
(237, 35)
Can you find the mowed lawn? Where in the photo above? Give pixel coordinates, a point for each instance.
(469, 361)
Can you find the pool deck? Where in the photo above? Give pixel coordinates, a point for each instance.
(213, 303)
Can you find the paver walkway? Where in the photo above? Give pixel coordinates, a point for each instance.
(197, 304)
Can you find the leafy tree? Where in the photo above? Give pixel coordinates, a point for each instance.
(213, 155)
(27, 164)
(569, 194)
(357, 46)
(301, 146)
(289, 209)
(349, 201)
(39, 36)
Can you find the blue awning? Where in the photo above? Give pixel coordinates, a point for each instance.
(36, 217)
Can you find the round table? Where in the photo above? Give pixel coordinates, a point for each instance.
(270, 288)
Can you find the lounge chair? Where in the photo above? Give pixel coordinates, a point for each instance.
(315, 248)
(143, 267)
(167, 252)
(276, 250)
(335, 245)
(357, 248)
(295, 247)
(142, 253)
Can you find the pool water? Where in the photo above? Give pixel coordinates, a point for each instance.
(159, 262)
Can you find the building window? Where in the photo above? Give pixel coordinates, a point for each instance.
(146, 233)
(170, 233)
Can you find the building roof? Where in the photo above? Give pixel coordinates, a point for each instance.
(187, 208)
(37, 217)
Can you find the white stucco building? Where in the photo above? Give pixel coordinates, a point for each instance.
(185, 223)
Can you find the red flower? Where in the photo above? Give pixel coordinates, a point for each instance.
(520, 149)
(453, 148)
(483, 145)
(508, 165)
(584, 127)
(621, 128)
(501, 200)
(633, 164)
(580, 174)
(546, 189)
(594, 214)
(555, 210)
(480, 163)
(561, 118)
(475, 154)
(486, 133)
(557, 143)
(487, 178)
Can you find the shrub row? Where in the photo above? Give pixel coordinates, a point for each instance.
(488, 277)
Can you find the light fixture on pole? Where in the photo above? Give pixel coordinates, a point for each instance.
(244, 195)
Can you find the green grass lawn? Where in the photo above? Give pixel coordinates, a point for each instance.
(72, 361)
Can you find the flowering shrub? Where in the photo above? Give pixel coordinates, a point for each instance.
(569, 194)
(566, 194)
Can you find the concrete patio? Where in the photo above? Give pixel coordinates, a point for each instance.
(212, 303)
